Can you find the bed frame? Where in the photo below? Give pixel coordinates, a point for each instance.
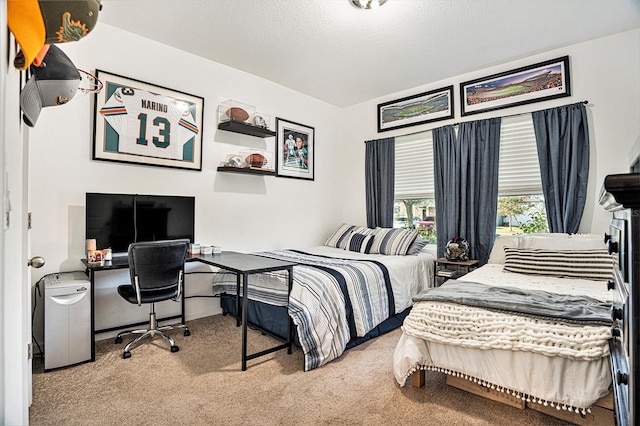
(602, 412)
(273, 320)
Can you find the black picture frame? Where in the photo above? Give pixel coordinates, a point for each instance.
(533, 83)
(169, 124)
(295, 150)
(426, 107)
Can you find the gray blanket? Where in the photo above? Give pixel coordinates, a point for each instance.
(535, 303)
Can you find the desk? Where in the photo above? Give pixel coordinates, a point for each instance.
(240, 264)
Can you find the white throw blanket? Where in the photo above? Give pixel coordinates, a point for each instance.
(474, 327)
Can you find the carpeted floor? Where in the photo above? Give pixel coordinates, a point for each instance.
(203, 384)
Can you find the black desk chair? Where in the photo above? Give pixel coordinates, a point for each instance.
(157, 271)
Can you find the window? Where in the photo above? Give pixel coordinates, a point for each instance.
(520, 199)
(415, 205)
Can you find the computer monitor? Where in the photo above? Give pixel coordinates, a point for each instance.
(117, 220)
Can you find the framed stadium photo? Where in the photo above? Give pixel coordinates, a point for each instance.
(422, 108)
(295, 150)
(533, 83)
(141, 123)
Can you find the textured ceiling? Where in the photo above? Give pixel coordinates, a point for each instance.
(337, 53)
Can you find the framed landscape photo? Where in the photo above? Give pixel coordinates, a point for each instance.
(422, 108)
(141, 123)
(533, 83)
(295, 150)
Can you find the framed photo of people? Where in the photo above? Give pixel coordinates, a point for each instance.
(141, 123)
(533, 83)
(295, 150)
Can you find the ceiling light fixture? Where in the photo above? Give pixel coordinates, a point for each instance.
(368, 4)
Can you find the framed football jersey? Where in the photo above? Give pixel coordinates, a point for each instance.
(138, 122)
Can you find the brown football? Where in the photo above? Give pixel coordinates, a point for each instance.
(256, 160)
(237, 114)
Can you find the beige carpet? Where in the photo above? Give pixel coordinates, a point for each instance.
(203, 384)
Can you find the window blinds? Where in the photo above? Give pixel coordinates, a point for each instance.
(519, 169)
(414, 166)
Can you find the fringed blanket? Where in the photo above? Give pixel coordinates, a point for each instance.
(332, 300)
(478, 316)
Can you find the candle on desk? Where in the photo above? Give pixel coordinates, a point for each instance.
(90, 245)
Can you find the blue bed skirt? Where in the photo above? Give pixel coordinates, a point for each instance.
(273, 320)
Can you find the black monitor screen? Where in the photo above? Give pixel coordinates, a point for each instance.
(116, 220)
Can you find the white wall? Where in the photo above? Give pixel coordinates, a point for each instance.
(605, 71)
(237, 212)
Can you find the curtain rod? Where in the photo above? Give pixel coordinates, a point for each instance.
(502, 116)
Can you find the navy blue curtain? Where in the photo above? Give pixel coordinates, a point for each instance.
(466, 184)
(446, 183)
(380, 158)
(562, 137)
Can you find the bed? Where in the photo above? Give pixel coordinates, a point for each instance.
(360, 284)
(534, 325)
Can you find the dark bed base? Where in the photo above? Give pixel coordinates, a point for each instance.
(273, 320)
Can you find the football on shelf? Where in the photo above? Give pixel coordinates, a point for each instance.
(256, 160)
(237, 114)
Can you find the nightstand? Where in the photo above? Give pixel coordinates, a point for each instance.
(451, 269)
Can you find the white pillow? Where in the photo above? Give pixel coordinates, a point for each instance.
(497, 252)
(568, 242)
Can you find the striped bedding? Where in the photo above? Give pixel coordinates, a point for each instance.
(332, 299)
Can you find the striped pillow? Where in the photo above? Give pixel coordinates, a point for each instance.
(360, 242)
(392, 241)
(594, 265)
(340, 237)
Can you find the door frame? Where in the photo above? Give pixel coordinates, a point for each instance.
(15, 305)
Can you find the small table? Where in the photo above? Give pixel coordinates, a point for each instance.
(460, 268)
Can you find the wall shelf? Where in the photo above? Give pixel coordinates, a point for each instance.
(245, 129)
(246, 171)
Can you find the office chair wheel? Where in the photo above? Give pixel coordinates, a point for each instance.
(174, 348)
(126, 355)
(187, 333)
(118, 340)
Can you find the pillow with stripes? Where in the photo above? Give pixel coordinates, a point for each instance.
(594, 265)
(360, 242)
(340, 237)
(393, 241)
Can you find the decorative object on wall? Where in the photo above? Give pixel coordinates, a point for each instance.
(141, 123)
(368, 4)
(295, 149)
(422, 108)
(534, 83)
(234, 111)
(257, 159)
(89, 83)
